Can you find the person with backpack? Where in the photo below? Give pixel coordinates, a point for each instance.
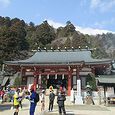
(33, 100)
(51, 100)
(60, 101)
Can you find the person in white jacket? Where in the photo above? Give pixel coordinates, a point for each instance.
(42, 99)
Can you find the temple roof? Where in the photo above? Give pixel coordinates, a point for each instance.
(106, 80)
(60, 57)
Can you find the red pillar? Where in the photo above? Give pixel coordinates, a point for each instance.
(69, 81)
(35, 79)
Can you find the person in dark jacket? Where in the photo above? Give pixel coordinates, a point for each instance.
(32, 100)
(51, 100)
(60, 100)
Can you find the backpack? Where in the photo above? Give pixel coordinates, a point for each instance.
(37, 98)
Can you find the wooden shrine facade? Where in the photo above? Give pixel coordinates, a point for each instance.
(67, 64)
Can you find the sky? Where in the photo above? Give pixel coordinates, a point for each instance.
(88, 16)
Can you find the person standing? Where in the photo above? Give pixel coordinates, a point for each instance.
(42, 99)
(2, 93)
(16, 102)
(60, 100)
(51, 100)
(61, 88)
(33, 103)
(21, 96)
(50, 88)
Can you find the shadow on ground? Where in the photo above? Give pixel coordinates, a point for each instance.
(55, 112)
(70, 109)
(5, 106)
(85, 107)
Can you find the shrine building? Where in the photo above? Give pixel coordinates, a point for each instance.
(58, 67)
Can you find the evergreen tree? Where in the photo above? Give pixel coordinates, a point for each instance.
(17, 82)
(45, 33)
(69, 29)
(68, 43)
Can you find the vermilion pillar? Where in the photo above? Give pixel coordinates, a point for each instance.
(69, 81)
(35, 79)
(35, 84)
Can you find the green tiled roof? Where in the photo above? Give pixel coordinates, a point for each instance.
(106, 79)
(61, 57)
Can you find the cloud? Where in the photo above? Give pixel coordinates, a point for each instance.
(95, 3)
(4, 3)
(102, 5)
(92, 31)
(104, 23)
(87, 30)
(55, 24)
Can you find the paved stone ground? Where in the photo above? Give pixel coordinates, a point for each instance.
(73, 109)
(5, 109)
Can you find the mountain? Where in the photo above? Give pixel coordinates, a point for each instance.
(18, 39)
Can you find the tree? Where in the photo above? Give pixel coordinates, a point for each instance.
(79, 40)
(5, 21)
(17, 82)
(100, 51)
(31, 35)
(45, 33)
(76, 40)
(59, 32)
(68, 43)
(69, 29)
(4, 47)
(92, 81)
(31, 24)
(19, 33)
(12, 40)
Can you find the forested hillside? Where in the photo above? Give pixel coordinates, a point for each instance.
(18, 38)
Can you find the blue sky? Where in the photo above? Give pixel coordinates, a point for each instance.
(89, 16)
